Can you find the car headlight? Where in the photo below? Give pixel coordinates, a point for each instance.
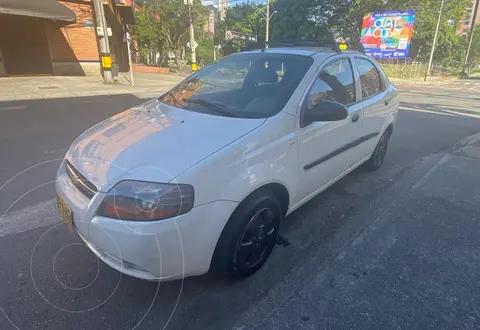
(147, 201)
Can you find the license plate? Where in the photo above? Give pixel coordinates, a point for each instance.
(65, 212)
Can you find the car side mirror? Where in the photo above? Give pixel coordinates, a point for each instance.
(326, 111)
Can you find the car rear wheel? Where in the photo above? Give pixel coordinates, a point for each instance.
(249, 237)
(378, 156)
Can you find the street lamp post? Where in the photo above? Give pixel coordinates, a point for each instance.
(267, 17)
(434, 40)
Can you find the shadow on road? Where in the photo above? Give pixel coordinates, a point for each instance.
(38, 266)
(38, 131)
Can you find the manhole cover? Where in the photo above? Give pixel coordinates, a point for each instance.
(47, 87)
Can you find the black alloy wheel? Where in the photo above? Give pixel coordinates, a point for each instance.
(257, 240)
(249, 236)
(378, 156)
(381, 151)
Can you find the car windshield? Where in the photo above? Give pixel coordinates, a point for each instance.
(245, 85)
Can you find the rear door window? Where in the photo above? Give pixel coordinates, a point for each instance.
(370, 78)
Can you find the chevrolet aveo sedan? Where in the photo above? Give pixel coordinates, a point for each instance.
(201, 178)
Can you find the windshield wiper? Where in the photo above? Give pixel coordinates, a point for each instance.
(220, 108)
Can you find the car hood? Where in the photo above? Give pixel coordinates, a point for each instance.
(152, 142)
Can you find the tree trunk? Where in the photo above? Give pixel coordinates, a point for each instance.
(178, 57)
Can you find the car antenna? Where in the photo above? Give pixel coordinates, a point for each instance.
(265, 46)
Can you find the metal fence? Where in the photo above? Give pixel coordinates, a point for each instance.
(411, 69)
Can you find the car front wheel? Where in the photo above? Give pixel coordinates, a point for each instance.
(249, 237)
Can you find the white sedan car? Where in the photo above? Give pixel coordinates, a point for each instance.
(202, 177)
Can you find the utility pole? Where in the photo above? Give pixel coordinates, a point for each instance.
(472, 31)
(128, 37)
(267, 18)
(189, 3)
(434, 40)
(102, 33)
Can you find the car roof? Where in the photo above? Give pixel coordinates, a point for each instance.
(305, 51)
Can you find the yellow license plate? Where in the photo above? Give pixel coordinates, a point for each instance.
(65, 212)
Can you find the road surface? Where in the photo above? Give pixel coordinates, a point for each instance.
(48, 280)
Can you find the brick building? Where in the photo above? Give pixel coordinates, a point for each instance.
(467, 20)
(51, 37)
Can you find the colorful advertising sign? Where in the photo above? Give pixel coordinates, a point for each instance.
(387, 34)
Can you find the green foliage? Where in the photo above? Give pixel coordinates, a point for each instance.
(165, 22)
(316, 19)
(475, 50)
(245, 18)
(204, 50)
(300, 19)
(143, 30)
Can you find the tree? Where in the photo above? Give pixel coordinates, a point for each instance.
(346, 17)
(474, 56)
(205, 49)
(320, 19)
(169, 21)
(301, 19)
(145, 36)
(244, 18)
(425, 24)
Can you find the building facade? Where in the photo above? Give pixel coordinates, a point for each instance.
(209, 27)
(467, 20)
(51, 37)
(222, 9)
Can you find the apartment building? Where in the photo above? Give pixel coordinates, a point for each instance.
(467, 20)
(209, 26)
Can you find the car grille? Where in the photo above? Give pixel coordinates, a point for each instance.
(87, 188)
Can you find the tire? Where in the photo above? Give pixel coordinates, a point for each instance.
(240, 252)
(378, 156)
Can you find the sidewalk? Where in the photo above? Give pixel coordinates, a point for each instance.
(421, 81)
(415, 266)
(435, 81)
(28, 88)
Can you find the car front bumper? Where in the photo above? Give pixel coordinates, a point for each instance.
(158, 250)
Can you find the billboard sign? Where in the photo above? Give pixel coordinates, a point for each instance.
(387, 34)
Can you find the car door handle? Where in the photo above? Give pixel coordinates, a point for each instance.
(355, 117)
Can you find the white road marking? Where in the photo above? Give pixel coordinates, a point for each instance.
(35, 216)
(55, 151)
(444, 112)
(13, 107)
(425, 110)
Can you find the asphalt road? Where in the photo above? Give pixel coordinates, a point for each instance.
(50, 281)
